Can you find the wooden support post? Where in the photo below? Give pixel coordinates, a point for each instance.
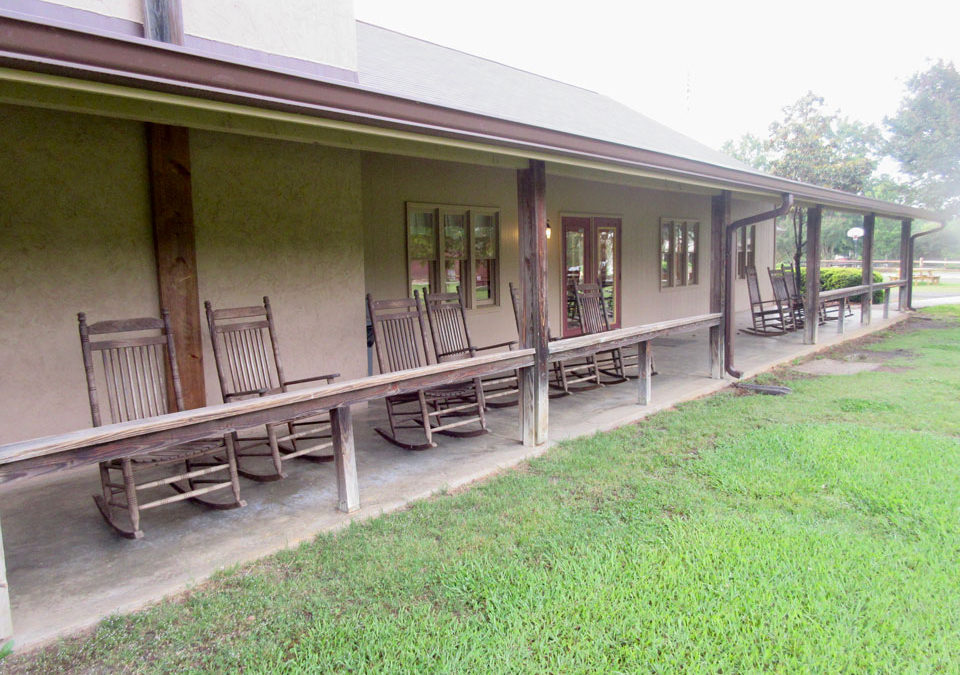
(6, 619)
(841, 313)
(173, 234)
(532, 217)
(171, 199)
(886, 303)
(812, 300)
(866, 303)
(906, 266)
(644, 372)
(345, 460)
(719, 217)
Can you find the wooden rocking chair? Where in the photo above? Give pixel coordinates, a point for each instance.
(247, 355)
(793, 291)
(781, 295)
(399, 335)
(451, 341)
(768, 319)
(593, 319)
(563, 373)
(137, 358)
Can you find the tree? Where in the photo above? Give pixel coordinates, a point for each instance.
(924, 136)
(814, 146)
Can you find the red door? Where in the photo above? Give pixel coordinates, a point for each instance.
(591, 254)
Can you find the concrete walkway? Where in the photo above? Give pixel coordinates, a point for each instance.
(67, 570)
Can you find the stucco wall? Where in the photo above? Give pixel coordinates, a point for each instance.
(75, 235)
(388, 182)
(273, 218)
(283, 219)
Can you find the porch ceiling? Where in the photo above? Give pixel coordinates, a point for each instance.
(139, 79)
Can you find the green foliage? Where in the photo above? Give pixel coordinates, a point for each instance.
(925, 135)
(832, 278)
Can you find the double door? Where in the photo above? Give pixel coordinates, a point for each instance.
(591, 254)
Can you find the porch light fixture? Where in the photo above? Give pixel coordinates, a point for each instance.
(548, 228)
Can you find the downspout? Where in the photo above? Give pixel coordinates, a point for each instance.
(910, 261)
(728, 303)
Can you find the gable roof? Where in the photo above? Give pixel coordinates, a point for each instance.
(401, 65)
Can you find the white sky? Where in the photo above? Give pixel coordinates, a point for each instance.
(712, 70)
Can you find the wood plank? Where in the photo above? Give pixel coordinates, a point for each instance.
(904, 298)
(644, 372)
(172, 209)
(866, 305)
(345, 460)
(163, 21)
(811, 326)
(584, 345)
(848, 292)
(532, 216)
(719, 218)
(62, 451)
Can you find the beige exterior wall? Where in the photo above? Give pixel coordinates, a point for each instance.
(283, 219)
(272, 218)
(389, 182)
(75, 235)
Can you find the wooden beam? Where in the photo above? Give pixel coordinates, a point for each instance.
(163, 21)
(719, 217)
(345, 460)
(812, 300)
(532, 217)
(644, 373)
(175, 244)
(866, 303)
(904, 297)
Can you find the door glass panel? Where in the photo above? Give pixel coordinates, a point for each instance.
(575, 260)
(607, 271)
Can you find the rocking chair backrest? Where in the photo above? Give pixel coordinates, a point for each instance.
(399, 333)
(753, 286)
(779, 285)
(136, 357)
(791, 280)
(448, 326)
(593, 315)
(245, 348)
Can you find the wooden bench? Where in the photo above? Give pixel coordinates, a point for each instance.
(926, 277)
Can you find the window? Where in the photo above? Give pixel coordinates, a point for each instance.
(746, 250)
(679, 252)
(450, 246)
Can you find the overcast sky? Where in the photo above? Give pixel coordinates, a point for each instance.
(712, 70)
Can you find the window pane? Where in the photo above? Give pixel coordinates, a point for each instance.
(666, 231)
(606, 270)
(484, 280)
(452, 275)
(679, 267)
(693, 235)
(419, 276)
(751, 233)
(485, 236)
(574, 254)
(421, 235)
(454, 235)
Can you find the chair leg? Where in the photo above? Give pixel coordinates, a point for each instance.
(425, 411)
(234, 474)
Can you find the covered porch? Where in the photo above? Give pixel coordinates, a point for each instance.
(74, 572)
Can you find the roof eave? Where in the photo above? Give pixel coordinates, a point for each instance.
(31, 45)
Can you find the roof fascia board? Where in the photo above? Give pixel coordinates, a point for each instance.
(41, 47)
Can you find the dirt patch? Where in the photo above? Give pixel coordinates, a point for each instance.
(836, 367)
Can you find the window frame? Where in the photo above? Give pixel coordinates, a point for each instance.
(678, 257)
(746, 250)
(468, 263)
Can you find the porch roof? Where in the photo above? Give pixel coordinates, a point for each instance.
(412, 93)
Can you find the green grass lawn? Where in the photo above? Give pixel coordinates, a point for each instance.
(818, 531)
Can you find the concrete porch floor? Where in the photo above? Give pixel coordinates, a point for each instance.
(67, 570)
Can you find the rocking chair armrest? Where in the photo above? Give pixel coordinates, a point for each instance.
(329, 377)
(510, 343)
(227, 398)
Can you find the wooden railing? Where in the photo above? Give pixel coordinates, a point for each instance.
(842, 294)
(89, 446)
